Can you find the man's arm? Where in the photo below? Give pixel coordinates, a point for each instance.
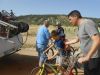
(96, 39)
(72, 41)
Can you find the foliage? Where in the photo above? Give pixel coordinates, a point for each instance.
(38, 19)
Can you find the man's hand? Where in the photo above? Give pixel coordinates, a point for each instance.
(83, 59)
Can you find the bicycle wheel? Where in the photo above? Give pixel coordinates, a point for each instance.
(70, 71)
(37, 71)
(73, 71)
(69, 67)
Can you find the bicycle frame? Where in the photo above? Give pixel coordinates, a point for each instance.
(42, 69)
(51, 66)
(67, 70)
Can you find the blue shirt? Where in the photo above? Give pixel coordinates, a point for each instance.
(59, 43)
(43, 35)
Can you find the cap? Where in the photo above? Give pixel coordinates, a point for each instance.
(58, 23)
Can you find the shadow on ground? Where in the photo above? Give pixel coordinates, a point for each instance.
(17, 64)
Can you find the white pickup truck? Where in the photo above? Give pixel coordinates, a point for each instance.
(9, 45)
(10, 38)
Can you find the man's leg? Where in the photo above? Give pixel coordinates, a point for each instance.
(92, 67)
(86, 70)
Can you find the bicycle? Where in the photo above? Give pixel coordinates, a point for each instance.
(69, 67)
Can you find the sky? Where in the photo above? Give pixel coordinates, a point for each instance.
(88, 8)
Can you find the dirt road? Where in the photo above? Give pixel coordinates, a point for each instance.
(20, 63)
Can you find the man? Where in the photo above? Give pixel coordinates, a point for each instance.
(60, 31)
(42, 39)
(88, 36)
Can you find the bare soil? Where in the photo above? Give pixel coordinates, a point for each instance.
(20, 63)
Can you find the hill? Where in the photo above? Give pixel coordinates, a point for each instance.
(38, 19)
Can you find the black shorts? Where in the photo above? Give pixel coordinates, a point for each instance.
(92, 67)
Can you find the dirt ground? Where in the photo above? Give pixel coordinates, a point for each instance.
(20, 63)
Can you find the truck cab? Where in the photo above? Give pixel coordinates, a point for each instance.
(11, 39)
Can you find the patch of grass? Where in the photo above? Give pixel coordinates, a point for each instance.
(31, 41)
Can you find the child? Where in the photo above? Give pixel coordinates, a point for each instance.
(60, 52)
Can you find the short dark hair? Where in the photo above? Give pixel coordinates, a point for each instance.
(75, 13)
(53, 33)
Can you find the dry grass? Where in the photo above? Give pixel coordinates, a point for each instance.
(69, 31)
